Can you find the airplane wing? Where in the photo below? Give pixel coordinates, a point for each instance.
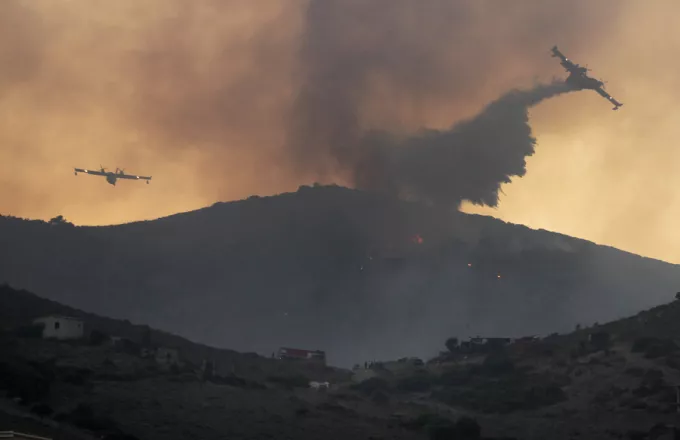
(556, 53)
(568, 64)
(94, 173)
(132, 177)
(609, 98)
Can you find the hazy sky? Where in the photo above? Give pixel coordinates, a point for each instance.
(202, 95)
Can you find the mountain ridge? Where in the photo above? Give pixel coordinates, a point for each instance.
(370, 275)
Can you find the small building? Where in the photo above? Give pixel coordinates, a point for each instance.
(61, 327)
(20, 436)
(167, 356)
(298, 354)
(479, 344)
(115, 340)
(527, 339)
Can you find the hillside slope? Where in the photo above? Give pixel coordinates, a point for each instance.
(561, 387)
(359, 275)
(80, 390)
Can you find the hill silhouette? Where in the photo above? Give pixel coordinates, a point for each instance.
(360, 275)
(579, 384)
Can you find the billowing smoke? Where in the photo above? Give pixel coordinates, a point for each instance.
(470, 161)
(368, 76)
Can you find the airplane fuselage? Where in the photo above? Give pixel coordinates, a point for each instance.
(112, 178)
(583, 81)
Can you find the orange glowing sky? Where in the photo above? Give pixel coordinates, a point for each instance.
(196, 94)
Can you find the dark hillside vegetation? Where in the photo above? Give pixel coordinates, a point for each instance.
(327, 265)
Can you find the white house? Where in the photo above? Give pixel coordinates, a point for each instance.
(61, 327)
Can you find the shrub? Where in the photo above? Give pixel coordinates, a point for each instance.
(673, 362)
(42, 410)
(503, 394)
(33, 331)
(635, 371)
(498, 363)
(184, 378)
(380, 398)
(467, 428)
(24, 381)
(302, 411)
(292, 381)
(600, 340)
(129, 347)
(539, 396)
(452, 345)
(83, 416)
(442, 431)
(663, 348)
(239, 382)
(654, 347)
(75, 376)
(98, 337)
(368, 386)
(416, 383)
(454, 377)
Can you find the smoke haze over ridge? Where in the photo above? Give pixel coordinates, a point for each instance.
(199, 95)
(470, 161)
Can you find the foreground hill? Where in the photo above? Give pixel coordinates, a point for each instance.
(359, 275)
(19, 308)
(83, 390)
(611, 381)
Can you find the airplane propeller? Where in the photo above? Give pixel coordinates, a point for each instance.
(102, 168)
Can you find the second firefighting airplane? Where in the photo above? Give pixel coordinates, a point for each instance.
(579, 79)
(112, 177)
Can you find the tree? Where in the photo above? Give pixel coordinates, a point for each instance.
(30, 331)
(98, 338)
(452, 344)
(468, 429)
(600, 340)
(146, 336)
(59, 220)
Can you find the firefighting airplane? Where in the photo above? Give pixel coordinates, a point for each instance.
(112, 177)
(579, 79)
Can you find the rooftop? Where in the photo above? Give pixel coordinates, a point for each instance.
(70, 318)
(19, 435)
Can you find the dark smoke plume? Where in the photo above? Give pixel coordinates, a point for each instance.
(470, 161)
(372, 68)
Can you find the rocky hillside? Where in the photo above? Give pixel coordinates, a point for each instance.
(18, 308)
(88, 388)
(610, 381)
(357, 274)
